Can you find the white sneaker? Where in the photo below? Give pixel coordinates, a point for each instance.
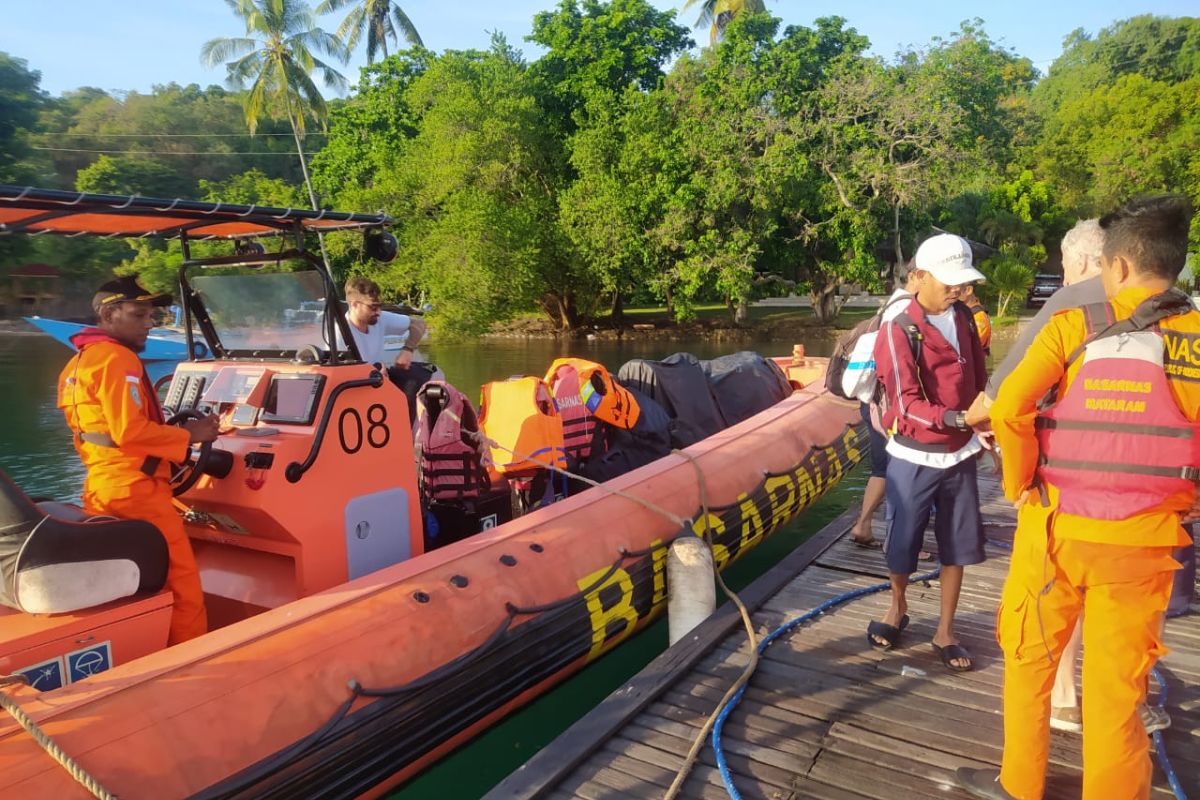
(1154, 718)
(1066, 718)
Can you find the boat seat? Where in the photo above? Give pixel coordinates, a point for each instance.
(55, 559)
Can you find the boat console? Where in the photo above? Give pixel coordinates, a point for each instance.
(320, 487)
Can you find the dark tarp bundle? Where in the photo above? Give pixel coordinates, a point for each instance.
(616, 451)
(679, 385)
(50, 565)
(744, 384)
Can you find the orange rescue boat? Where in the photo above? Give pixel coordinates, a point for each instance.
(350, 647)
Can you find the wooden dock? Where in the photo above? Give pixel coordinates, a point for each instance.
(826, 716)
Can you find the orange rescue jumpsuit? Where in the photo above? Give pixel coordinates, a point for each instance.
(103, 390)
(1120, 571)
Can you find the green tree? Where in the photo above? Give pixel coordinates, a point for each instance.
(21, 99)
(717, 14)
(277, 57)
(1007, 279)
(596, 47)
(884, 137)
(108, 175)
(381, 19)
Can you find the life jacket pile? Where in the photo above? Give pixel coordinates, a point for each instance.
(1116, 444)
(450, 467)
(520, 417)
(586, 395)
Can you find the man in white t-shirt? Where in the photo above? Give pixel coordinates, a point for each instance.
(370, 325)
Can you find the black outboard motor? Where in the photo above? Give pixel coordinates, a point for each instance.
(53, 565)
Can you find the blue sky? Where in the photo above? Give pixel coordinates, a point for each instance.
(134, 44)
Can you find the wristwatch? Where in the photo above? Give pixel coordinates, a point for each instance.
(960, 420)
(406, 347)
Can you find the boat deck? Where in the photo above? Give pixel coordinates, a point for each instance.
(825, 716)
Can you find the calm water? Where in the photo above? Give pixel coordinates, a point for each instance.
(35, 450)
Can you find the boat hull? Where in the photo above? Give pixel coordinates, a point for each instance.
(434, 650)
(162, 345)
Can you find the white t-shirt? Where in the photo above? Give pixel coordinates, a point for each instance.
(370, 343)
(944, 322)
(946, 326)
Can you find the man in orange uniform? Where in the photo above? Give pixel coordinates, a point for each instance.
(983, 323)
(1101, 481)
(112, 409)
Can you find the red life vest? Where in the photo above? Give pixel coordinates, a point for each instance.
(578, 423)
(449, 462)
(1116, 444)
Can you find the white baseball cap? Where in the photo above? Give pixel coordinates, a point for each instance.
(948, 258)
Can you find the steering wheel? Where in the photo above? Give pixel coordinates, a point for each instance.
(185, 475)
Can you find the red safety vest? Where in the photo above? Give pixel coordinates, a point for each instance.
(578, 423)
(1116, 444)
(448, 457)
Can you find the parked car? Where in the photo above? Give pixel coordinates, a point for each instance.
(1044, 285)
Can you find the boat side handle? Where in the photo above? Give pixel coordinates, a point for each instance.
(295, 470)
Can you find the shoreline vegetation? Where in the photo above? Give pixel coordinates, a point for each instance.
(712, 323)
(629, 164)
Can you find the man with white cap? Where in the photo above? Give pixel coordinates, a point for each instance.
(931, 364)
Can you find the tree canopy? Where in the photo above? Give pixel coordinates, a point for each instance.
(624, 165)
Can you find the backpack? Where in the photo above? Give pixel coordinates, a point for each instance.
(851, 371)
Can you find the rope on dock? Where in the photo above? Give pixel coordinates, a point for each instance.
(740, 684)
(31, 727)
(726, 706)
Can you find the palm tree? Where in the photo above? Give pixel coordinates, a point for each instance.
(718, 13)
(381, 19)
(276, 58)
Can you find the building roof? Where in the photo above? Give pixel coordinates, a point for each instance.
(35, 271)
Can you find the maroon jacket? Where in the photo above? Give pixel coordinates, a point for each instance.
(922, 399)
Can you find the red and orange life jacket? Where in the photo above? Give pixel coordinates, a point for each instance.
(519, 416)
(584, 393)
(449, 459)
(1116, 444)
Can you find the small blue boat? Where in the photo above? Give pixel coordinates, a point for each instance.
(164, 344)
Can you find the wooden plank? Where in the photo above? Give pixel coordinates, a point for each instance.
(826, 716)
(557, 759)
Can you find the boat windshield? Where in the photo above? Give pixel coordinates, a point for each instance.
(281, 311)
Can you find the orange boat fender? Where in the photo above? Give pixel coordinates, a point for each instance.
(520, 418)
(449, 461)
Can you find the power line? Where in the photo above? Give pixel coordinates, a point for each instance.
(166, 135)
(166, 152)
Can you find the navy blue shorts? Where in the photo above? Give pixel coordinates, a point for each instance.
(879, 456)
(912, 493)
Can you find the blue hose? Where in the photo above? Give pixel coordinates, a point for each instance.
(833, 602)
(727, 777)
(1160, 746)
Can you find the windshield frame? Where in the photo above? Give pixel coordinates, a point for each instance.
(340, 345)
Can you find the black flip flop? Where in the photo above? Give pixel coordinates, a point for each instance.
(889, 633)
(954, 651)
(867, 544)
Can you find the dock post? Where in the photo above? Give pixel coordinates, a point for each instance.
(692, 593)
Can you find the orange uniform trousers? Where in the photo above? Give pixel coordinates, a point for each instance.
(150, 499)
(1124, 591)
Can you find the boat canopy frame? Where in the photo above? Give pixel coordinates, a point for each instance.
(33, 211)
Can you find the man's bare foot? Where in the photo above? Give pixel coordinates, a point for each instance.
(897, 618)
(943, 643)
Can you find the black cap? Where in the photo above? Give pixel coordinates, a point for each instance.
(127, 289)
